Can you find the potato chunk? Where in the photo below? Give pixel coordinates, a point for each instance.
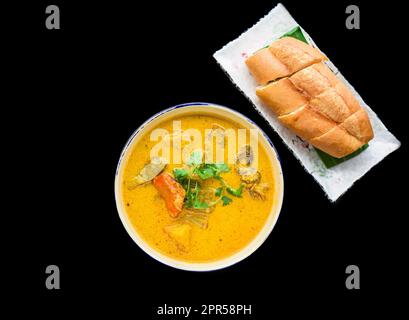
(180, 233)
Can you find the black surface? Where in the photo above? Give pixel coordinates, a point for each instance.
(77, 95)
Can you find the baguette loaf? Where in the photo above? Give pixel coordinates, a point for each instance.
(309, 99)
(281, 59)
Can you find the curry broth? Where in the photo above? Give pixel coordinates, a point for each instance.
(230, 228)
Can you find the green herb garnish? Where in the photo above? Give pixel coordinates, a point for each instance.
(208, 170)
(226, 200)
(180, 174)
(235, 192)
(218, 192)
(193, 199)
(192, 179)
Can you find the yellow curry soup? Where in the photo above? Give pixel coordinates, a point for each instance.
(229, 228)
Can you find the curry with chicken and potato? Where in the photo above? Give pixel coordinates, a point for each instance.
(190, 208)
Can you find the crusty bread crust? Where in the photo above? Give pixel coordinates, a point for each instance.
(331, 104)
(319, 108)
(357, 125)
(282, 96)
(337, 142)
(281, 59)
(307, 123)
(265, 67)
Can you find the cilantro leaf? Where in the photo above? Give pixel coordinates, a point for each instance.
(218, 192)
(221, 167)
(205, 172)
(191, 177)
(192, 198)
(197, 204)
(180, 174)
(235, 192)
(226, 200)
(211, 170)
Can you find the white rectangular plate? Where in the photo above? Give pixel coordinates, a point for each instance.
(334, 181)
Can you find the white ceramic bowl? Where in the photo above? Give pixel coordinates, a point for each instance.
(221, 112)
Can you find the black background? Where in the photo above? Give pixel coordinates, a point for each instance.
(78, 93)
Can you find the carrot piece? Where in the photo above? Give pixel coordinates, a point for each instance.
(171, 191)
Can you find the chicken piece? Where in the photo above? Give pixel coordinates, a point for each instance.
(180, 233)
(171, 191)
(148, 172)
(245, 157)
(258, 191)
(251, 177)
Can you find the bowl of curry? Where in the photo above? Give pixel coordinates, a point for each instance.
(199, 187)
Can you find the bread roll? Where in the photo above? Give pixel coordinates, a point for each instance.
(282, 96)
(307, 123)
(337, 142)
(309, 99)
(357, 125)
(281, 59)
(265, 67)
